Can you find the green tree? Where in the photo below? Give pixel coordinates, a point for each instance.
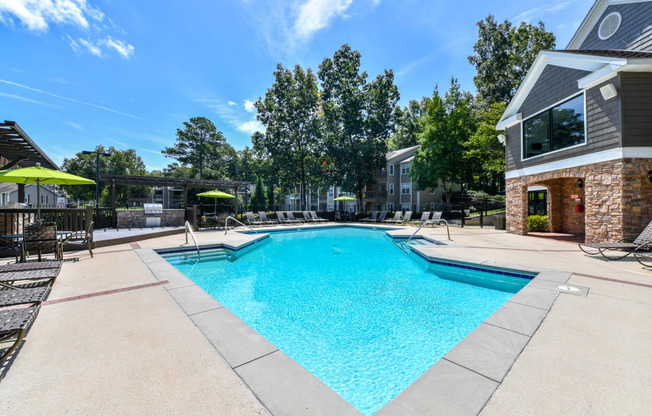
(121, 162)
(408, 125)
(197, 145)
(448, 124)
(504, 54)
(291, 140)
(259, 198)
(358, 119)
(483, 150)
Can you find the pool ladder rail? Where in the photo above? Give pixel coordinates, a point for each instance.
(403, 245)
(226, 225)
(188, 230)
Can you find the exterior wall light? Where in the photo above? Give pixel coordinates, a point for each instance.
(502, 139)
(580, 183)
(609, 91)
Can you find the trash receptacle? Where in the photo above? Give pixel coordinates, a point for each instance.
(500, 222)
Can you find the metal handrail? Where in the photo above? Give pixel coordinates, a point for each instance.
(402, 244)
(188, 229)
(226, 225)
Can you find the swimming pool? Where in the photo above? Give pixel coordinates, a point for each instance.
(350, 307)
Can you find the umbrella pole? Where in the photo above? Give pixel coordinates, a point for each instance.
(38, 200)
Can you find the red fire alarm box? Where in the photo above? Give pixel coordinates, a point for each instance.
(579, 208)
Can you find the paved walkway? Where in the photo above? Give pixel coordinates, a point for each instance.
(112, 341)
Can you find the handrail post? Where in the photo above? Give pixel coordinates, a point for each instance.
(188, 229)
(226, 225)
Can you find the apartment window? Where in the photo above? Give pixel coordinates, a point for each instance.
(330, 192)
(28, 199)
(391, 170)
(391, 189)
(405, 207)
(405, 188)
(405, 168)
(557, 128)
(382, 187)
(5, 198)
(331, 207)
(44, 199)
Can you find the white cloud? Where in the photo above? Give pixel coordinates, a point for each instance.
(90, 46)
(250, 127)
(315, 15)
(124, 49)
(249, 106)
(36, 15)
(76, 126)
(551, 7)
(232, 103)
(28, 100)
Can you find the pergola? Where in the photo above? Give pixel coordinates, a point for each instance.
(173, 182)
(17, 148)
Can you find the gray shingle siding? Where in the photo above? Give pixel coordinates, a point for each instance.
(636, 90)
(635, 32)
(602, 118)
(554, 84)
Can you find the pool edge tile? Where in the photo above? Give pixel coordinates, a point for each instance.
(445, 388)
(286, 388)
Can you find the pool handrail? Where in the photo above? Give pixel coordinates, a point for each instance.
(188, 229)
(226, 225)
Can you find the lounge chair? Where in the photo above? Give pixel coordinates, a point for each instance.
(642, 242)
(30, 265)
(372, 218)
(382, 216)
(284, 220)
(251, 220)
(307, 217)
(407, 217)
(32, 296)
(316, 217)
(14, 324)
(31, 278)
(290, 216)
(424, 217)
(435, 219)
(262, 215)
(396, 219)
(83, 239)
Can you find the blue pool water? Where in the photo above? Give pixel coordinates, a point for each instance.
(351, 307)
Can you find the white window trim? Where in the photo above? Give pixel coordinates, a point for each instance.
(391, 188)
(409, 184)
(586, 138)
(408, 165)
(391, 170)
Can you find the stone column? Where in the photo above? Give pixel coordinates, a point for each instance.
(516, 206)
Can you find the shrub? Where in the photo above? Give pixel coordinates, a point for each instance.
(537, 223)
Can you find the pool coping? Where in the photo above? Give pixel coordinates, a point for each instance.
(461, 382)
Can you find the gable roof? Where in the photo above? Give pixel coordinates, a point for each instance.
(602, 64)
(400, 152)
(592, 18)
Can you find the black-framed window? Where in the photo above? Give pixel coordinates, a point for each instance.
(556, 128)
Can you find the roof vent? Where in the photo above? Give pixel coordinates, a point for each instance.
(609, 25)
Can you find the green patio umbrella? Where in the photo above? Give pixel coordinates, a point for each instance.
(345, 198)
(41, 176)
(215, 194)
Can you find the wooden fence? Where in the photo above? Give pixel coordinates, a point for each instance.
(12, 221)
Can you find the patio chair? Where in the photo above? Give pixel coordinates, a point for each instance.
(382, 216)
(291, 217)
(40, 238)
(316, 217)
(372, 218)
(642, 242)
(32, 278)
(282, 219)
(32, 296)
(30, 265)
(251, 220)
(14, 324)
(396, 219)
(407, 217)
(262, 215)
(79, 239)
(436, 219)
(307, 217)
(424, 217)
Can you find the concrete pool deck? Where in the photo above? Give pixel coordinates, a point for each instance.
(136, 351)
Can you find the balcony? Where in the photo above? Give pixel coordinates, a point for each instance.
(375, 195)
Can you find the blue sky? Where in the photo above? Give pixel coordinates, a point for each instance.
(77, 73)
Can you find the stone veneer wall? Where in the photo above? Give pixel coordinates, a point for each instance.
(617, 198)
(136, 218)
